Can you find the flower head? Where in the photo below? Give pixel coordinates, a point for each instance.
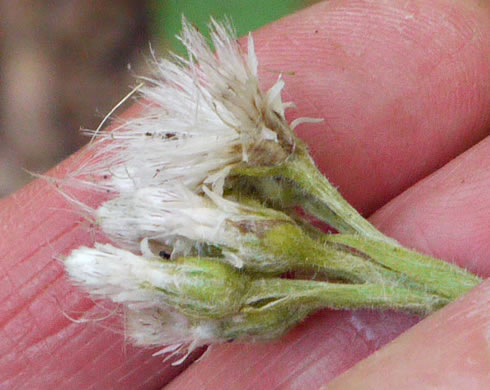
(187, 224)
(197, 287)
(202, 116)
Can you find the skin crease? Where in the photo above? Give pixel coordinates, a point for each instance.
(403, 88)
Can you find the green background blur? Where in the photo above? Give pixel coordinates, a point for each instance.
(64, 65)
(246, 15)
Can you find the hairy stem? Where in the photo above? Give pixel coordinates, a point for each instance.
(438, 276)
(266, 293)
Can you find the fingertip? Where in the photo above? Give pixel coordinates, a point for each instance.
(403, 88)
(446, 214)
(448, 350)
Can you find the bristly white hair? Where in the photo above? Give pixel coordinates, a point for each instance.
(110, 272)
(164, 214)
(182, 220)
(201, 116)
(150, 289)
(180, 335)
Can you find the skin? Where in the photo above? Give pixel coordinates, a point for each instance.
(403, 88)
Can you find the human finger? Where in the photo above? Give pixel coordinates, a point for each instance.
(331, 342)
(447, 351)
(402, 88)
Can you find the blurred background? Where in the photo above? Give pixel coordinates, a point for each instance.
(65, 64)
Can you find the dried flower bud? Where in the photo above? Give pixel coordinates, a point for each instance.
(196, 287)
(184, 221)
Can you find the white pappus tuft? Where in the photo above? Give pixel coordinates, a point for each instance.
(114, 273)
(182, 220)
(180, 335)
(201, 116)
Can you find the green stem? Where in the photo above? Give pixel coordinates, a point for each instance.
(310, 189)
(324, 201)
(438, 276)
(373, 256)
(265, 293)
(304, 252)
(273, 306)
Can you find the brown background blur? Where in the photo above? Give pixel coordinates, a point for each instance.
(63, 65)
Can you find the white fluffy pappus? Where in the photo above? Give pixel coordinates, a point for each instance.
(163, 214)
(198, 287)
(151, 289)
(201, 116)
(156, 327)
(110, 272)
(180, 219)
